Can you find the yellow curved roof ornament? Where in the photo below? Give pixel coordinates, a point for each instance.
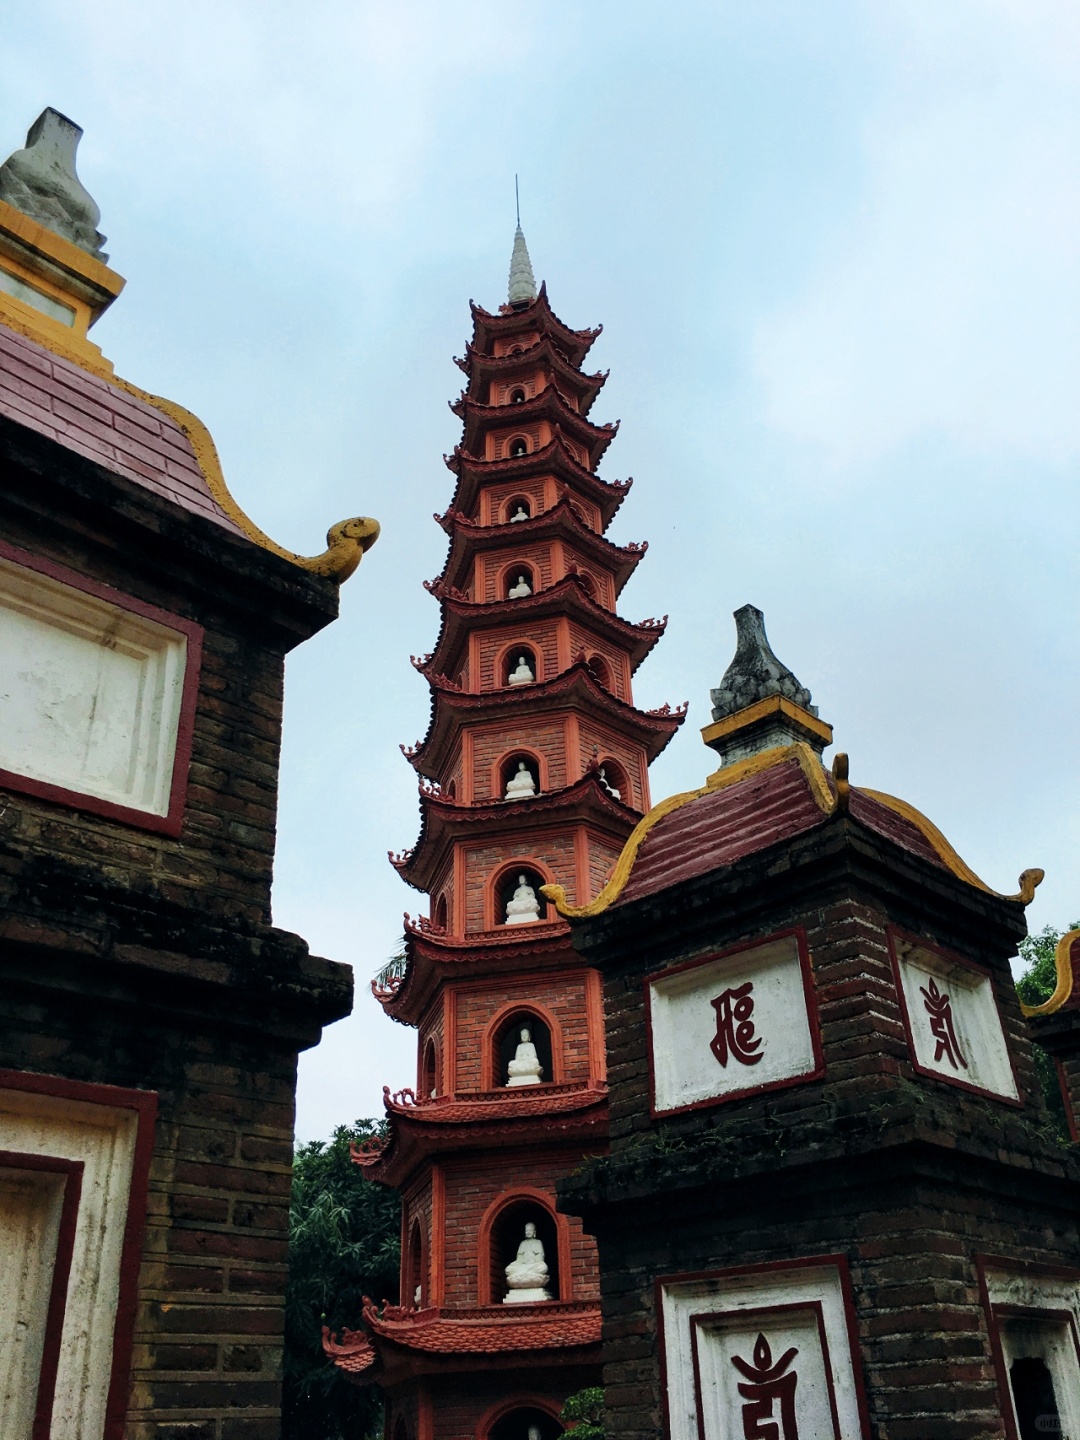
(1067, 978)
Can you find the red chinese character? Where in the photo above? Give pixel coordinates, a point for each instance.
(938, 1006)
(734, 1028)
(769, 1383)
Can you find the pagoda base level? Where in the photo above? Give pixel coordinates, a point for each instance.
(479, 1406)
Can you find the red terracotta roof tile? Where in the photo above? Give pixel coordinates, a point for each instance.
(104, 423)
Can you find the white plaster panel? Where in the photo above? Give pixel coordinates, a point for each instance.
(685, 1022)
(31, 1203)
(953, 1020)
(90, 693)
(1052, 1335)
(804, 1307)
(103, 1139)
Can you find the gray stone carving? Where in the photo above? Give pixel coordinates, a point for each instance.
(41, 182)
(522, 284)
(755, 673)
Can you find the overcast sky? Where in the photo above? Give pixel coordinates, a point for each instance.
(834, 247)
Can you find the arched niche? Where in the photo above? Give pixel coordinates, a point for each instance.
(514, 507)
(505, 1232)
(517, 447)
(510, 766)
(516, 1423)
(429, 1074)
(506, 884)
(440, 913)
(614, 777)
(512, 660)
(415, 1273)
(512, 577)
(505, 1038)
(587, 583)
(451, 790)
(600, 670)
(517, 395)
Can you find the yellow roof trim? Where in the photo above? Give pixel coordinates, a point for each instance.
(1064, 988)
(346, 542)
(719, 780)
(771, 705)
(1028, 881)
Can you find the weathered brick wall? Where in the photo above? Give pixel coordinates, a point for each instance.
(601, 743)
(497, 651)
(495, 567)
(582, 640)
(602, 856)
(561, 996)
(494, 500)
(416, 1209)
(473, 1185)
(543, 737)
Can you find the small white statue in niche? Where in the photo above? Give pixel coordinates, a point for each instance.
(522, 673)
(608, 786)
(418, 1295)
(520, 590)
(523, 908)
(521, 785)
(524, 1068)
(534, 1432)
(527, 1274)
(519, 514)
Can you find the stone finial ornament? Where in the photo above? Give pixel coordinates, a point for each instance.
(40, 181)
(755, 673)
(522, 284)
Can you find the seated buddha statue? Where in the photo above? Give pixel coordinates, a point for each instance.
(524, 1068)
(523, 674)
(527, 1274)
(519, 514)
(611, 789)
(523, 907)
(521, 785)
(520, 590)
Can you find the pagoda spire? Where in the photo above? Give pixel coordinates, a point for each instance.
(522, 284)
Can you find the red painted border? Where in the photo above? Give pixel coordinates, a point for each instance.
(812, 1015)
(489, 1059)
(1016, 1267)
(894, 933)
(171, 822)
(490, 1218)
(145, 1104)
(836, 1262)
(697, 1322)
(72, 1170)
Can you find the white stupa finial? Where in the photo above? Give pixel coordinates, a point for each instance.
(522, 283)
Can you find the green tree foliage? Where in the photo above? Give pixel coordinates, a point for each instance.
(583, 1414)
(1035, 985)
(343, 1244)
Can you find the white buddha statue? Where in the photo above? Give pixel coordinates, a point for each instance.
(611, 789)
(527, 1274)
(520, 590)
(418, 1295)
(523, 674)
(534, 1432)
(519, 514)
(524, 907)
(520, 786)
(524, 1068)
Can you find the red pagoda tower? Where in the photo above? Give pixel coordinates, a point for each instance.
(534, 771)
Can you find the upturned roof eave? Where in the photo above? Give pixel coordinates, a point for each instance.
(585, 800)
(548, 404)
(567, 597)
(481, 368)
(575, 344)
(472, 471)
(651, 730)
(467, 537)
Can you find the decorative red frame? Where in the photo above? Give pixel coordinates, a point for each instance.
(145, 1104)
(502, 1408)
(697, 1323)
(170, 823)
(835, 1262)
(498, 1019)
(72, 1171)
(894, 933)
(813, 1019)
(483, 1248)
(498, 877)
(991, 1311)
